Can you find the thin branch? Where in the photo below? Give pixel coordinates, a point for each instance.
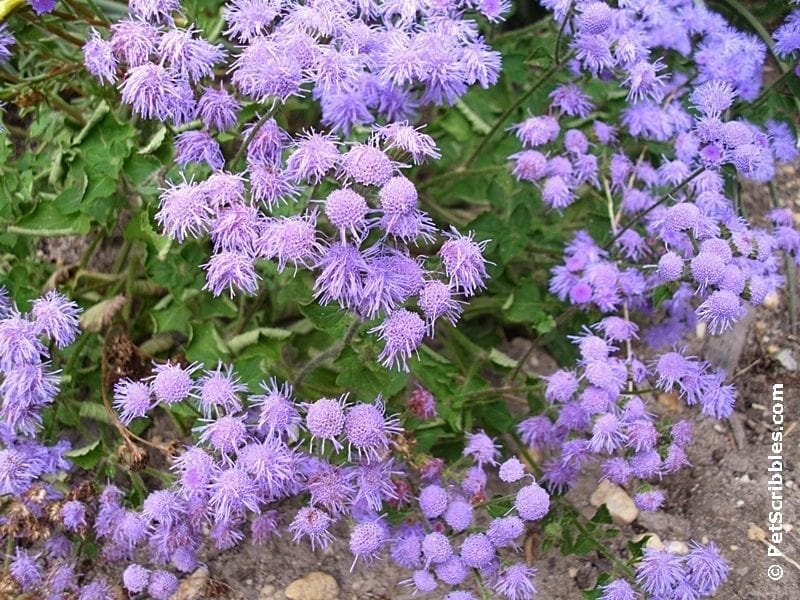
(331, 352)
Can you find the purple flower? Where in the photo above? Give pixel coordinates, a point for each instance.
(532, 502)
(162, 585)
(172, 383)
(537, 131)
(619, 589)
(73, 514)
(504, 531)
(56, 317)
(218, 109)
(25, 570)
(481, 448)
(403, 332)
(649, 501)
(98, 58)
(458, 515)
(659, 572)
(436, 548)
(151, 91)
(6, 41)
(720, 311)
(453, 571)
(218, 391)
(99, 590)
(19, 343)
(368, 165)
(325, 420)
(410, 140)
(341, 271)
(278, 413)
(42, 6)
(367, 540)
(184, 211)
(464, 263)
(293, 240)
(157, 11)
(225, 434)
(367, 429)
(198, 147)
(514, 582)
(571, 100)
(232, 271)
(706, 569)
(188, 57)
(232, 493)
(247, 19)
(312, 523)
(477, 551)
(433, 501)
(314, 156)
(346, 210)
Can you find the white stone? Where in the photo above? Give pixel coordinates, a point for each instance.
(314, 586)
(787, 360)
(677, 547)
(193, 587)
(620, 505)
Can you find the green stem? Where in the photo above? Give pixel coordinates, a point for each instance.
(87, 255)
(508, 112)
(499, 391)
(331, 352)
(558, 320)
(767, 92)
(460, 172)
(48, 28)
(601, 549)
(57, 102)
(638, 217)
(561, 32)
(249, 138)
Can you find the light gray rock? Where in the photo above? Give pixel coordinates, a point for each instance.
(314, 586)
(620, 505)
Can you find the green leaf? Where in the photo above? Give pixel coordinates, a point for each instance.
(502, 359)
(87, 456)
(248, 338)
(327, 318)
(95, 411)
(602, 516)
(154, 143)
(207, 346)
(661, 294)
(49, 219)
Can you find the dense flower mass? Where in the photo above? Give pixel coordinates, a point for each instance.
(366, 66)
(651, 115)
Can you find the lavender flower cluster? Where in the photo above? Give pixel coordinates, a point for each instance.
(35, 505)
(332, 456)
(366, 65)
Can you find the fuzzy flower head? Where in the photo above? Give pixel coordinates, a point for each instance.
(171, 382)
(367, 428)
(402, 332)
(218, 391)
(463, 262)
(56, 317)
(481, 448)
(325, 420)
